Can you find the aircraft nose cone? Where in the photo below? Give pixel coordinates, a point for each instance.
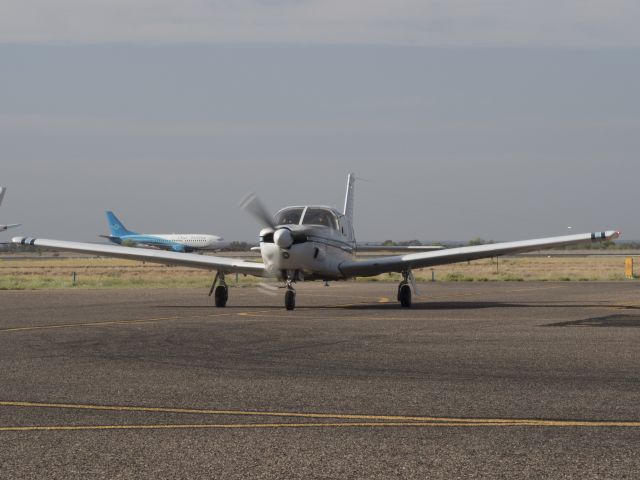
(283, 238)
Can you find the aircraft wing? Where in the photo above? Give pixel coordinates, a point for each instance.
(7, 227)
(399, 263)
(398, 249)
(208, 262)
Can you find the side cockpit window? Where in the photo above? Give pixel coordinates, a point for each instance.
(289, 216)
(320, 216)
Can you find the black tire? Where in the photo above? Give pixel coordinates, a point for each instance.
(221, 295)
(290, 300)
(404, 295)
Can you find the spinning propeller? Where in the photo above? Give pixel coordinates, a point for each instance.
(254, 206)
(282, 237)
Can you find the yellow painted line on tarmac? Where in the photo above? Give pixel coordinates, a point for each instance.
(232, 426)
(375, 419)
(259, 313)
(476, 294)
(111, 322)
(31, 428)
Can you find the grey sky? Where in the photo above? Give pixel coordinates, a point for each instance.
(594, 23)
(521, 126)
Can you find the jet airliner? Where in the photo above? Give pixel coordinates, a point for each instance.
(176, 242)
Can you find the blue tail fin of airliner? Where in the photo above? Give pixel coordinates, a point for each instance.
(116, 226)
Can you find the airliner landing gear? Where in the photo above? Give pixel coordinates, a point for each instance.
(404, 290)
(220, 292)
(290, 296)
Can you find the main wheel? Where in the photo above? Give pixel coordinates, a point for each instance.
(404, 295)
(221, 296)
(290, 299)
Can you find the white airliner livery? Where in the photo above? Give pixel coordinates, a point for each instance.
(303, 243)
(6, 227)
(176, 242)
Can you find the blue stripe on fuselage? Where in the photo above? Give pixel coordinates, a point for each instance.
(152, 240)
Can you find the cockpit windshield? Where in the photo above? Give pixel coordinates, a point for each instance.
(289, 216)
(320, 216)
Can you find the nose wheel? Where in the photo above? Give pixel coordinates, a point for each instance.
(290, 294)
(290, 299)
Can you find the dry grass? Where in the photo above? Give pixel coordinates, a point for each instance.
(116, 273)
(101, 273)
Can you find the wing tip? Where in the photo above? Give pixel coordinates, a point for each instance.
(613, 234)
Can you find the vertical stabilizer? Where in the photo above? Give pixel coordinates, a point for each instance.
(2, 190)
(116, 227)
(349, 197)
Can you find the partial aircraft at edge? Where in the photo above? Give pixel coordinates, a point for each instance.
(176, 242)
(6, 227)
(304, 243)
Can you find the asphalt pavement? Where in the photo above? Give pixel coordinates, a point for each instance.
(477, 380)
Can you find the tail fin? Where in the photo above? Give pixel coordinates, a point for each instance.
(2, 190)
(348, 199)
(116, 226)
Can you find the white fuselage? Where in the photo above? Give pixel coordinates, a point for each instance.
(310, 251)
(193, 241)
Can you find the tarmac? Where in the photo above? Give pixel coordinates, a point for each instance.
(476, 380)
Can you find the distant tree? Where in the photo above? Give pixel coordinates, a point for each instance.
(410, 243)
(239, 247)
(479, 241)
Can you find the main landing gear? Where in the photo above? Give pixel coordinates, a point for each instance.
(404, 289)
(220, 292)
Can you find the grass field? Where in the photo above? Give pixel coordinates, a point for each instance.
(115, 273)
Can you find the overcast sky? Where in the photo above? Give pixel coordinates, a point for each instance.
(500, 119)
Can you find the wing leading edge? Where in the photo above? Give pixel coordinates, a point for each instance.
(208, 262)
(7, 227)
(400, 263)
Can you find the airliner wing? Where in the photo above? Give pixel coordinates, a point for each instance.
(208, 262)
(399, 263)
(7, 227)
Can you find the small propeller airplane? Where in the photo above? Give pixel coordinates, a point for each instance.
(6, 227)
(306, 243)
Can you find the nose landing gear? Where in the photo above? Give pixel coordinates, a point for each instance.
(290, 294)
(290, 298)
